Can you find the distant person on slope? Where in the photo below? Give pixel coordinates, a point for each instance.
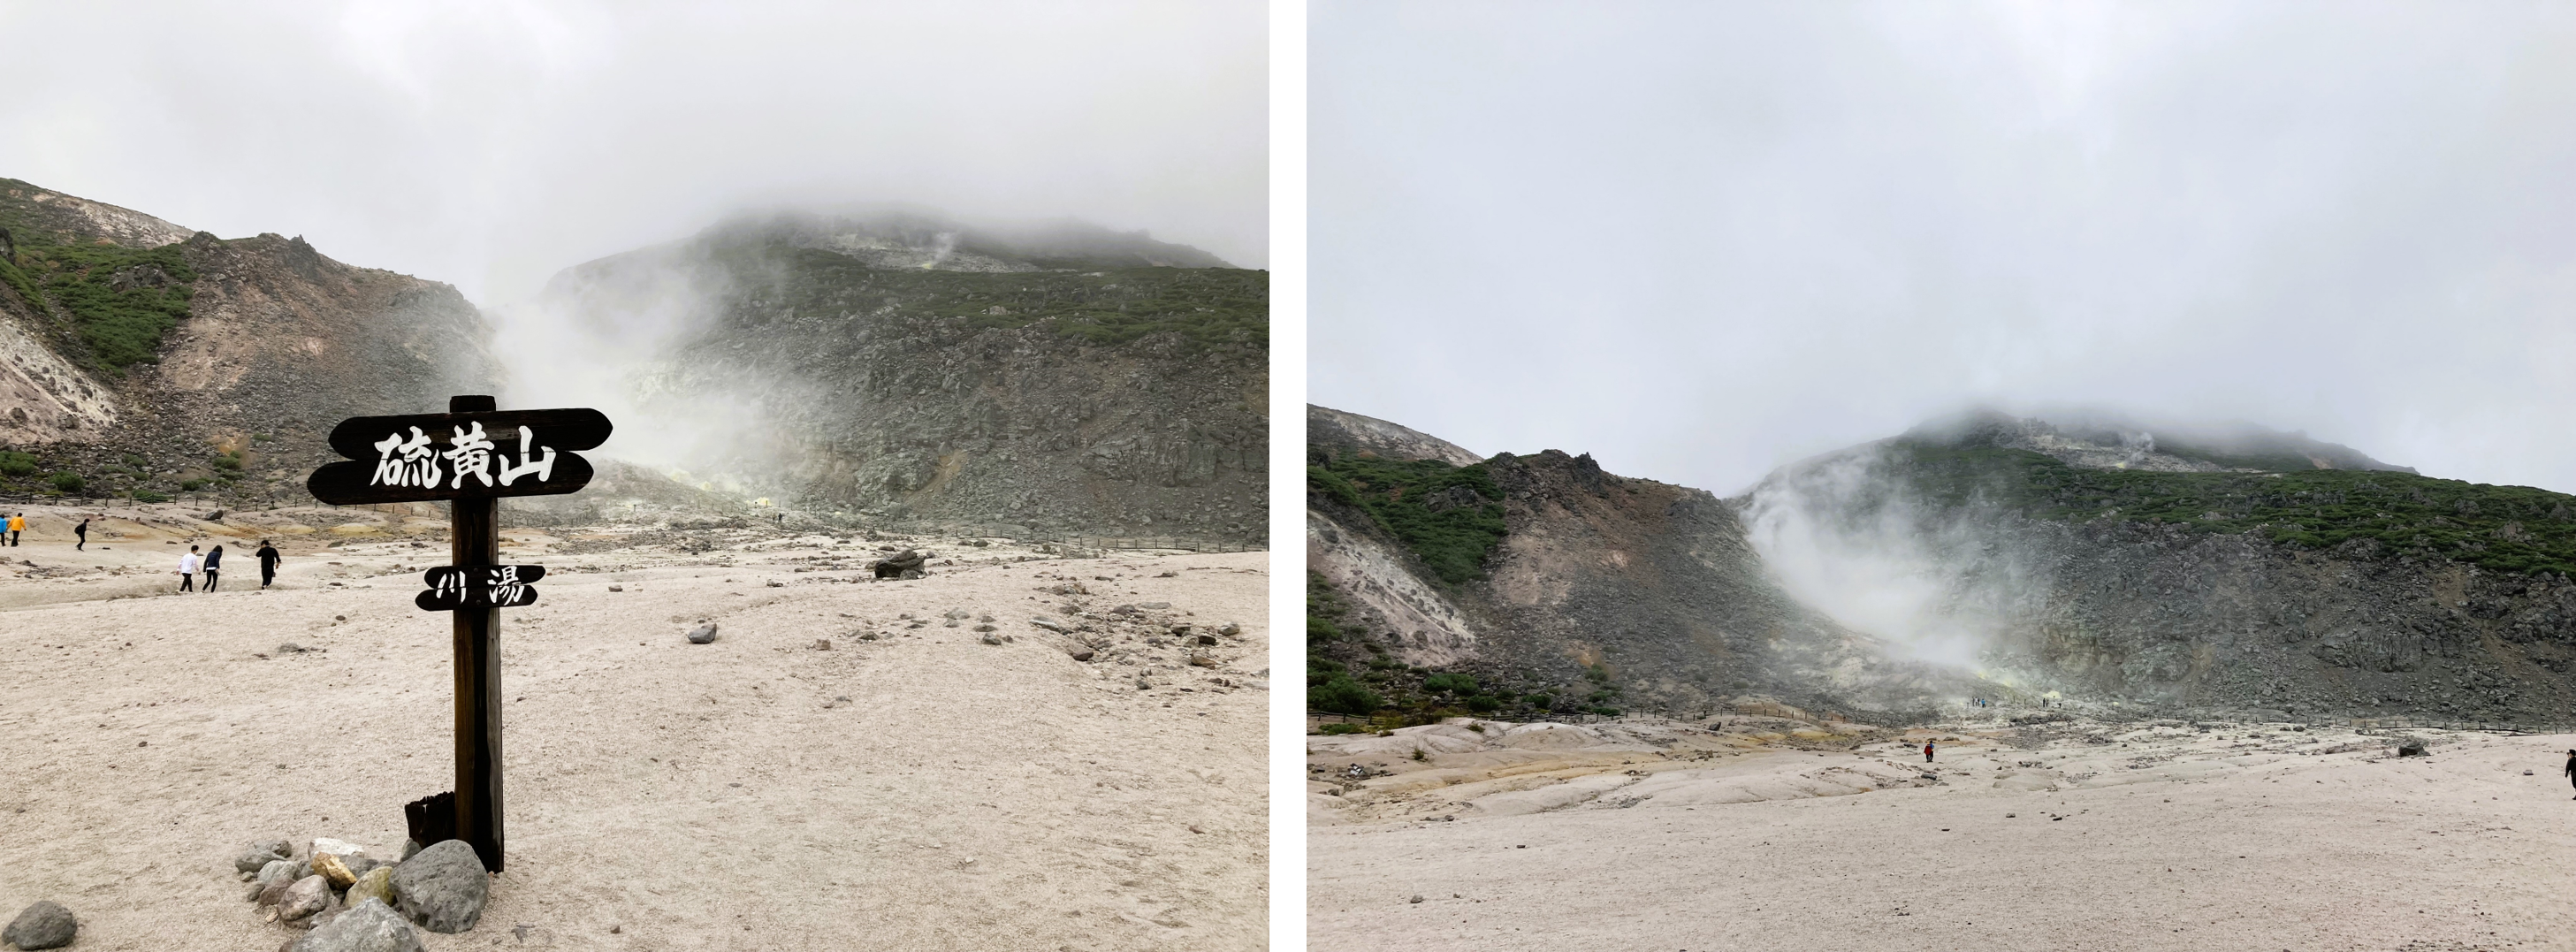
(213, 559)
(188, 570)
(82, 531)
(1927, 751)
(268, 558)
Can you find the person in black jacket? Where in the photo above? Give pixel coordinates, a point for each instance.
(268, 559)
(2571, 766)
(82, 531)
(213, 560)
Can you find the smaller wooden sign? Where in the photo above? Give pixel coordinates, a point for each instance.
(479, 586)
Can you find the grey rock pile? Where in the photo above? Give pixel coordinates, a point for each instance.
(44, 925)
(354, 902)
(901, 565)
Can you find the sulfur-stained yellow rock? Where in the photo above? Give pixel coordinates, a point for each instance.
(378, 883)
(332, 869)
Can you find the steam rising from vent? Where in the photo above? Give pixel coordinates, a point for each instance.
(619, 339)
(1840, 536)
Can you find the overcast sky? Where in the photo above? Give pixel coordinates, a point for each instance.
(489, 144)
(1702, 239)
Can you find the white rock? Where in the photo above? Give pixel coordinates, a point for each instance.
(324, 844)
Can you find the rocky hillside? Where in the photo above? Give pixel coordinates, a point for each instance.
(1063, 379)
(139, 358)
(1532, 584)
(2276, 574)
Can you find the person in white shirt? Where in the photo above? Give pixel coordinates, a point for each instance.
(188, 570)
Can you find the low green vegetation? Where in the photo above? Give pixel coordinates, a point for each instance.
(1450, 516)
(16, 463)
(146, 495)
(2501, 528)
(68, 483)
(119, 301)
(1351, 672)
(1204, 306)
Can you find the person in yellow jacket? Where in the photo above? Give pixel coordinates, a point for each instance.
(17, 524)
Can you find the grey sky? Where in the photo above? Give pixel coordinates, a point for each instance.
(1701, 240)
(489, 144)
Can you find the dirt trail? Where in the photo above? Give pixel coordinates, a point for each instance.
(965, 796)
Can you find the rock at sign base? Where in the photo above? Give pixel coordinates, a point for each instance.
(702, 634)
(273, 891)
(308, 896)
(368, 926)
(330, 868)
(340, 848)
(259, 855)
(277, 870)
(377, 883)
(44, 925)
(443, 887)
(409, 848)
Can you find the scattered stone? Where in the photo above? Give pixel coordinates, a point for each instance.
(291, 648)
(1181, 629)
(822, 644)
(367, 926)
(1229, 628)
(1057, 627)
(1153, 604)
(309, 895)
(1417, 897)
(774, 583)
(617, 588)
(901, 565)
(992, 639)
(1207, 639)
(44, 925)
(1082, 656)
(1142, 684)
(2410, 747)
(697, 636)
(957, 613)
(377, 883)
(409, 849)
(1202, 661)
(442, 887)
(360, 863)
(984, 618)
(951, 623)
(983, 628)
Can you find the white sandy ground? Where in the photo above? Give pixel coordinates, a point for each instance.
(1648, 835)
(693, 797)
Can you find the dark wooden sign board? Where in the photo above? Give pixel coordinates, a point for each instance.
(472, 455)
(490, 586)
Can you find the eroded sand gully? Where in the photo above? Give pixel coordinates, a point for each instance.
(1645, 834)
(966, 796)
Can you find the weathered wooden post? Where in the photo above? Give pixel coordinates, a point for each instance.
(466, 457)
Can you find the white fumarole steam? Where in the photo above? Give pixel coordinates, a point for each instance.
(1839, 537)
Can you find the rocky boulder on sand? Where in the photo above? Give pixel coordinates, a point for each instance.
(442, 887)
(309, 895)
(901, 565)
(44, 925)
(369, 926)
(702, 634)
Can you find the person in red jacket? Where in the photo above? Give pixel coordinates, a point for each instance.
(1927, 751)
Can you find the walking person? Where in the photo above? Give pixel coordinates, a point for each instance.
(213, 559)
(2571, 766)
(1927, 751)
(188, 570)
(268, 559)
(17, 525)
(82, 531)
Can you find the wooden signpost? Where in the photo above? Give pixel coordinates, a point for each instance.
(471, 456)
